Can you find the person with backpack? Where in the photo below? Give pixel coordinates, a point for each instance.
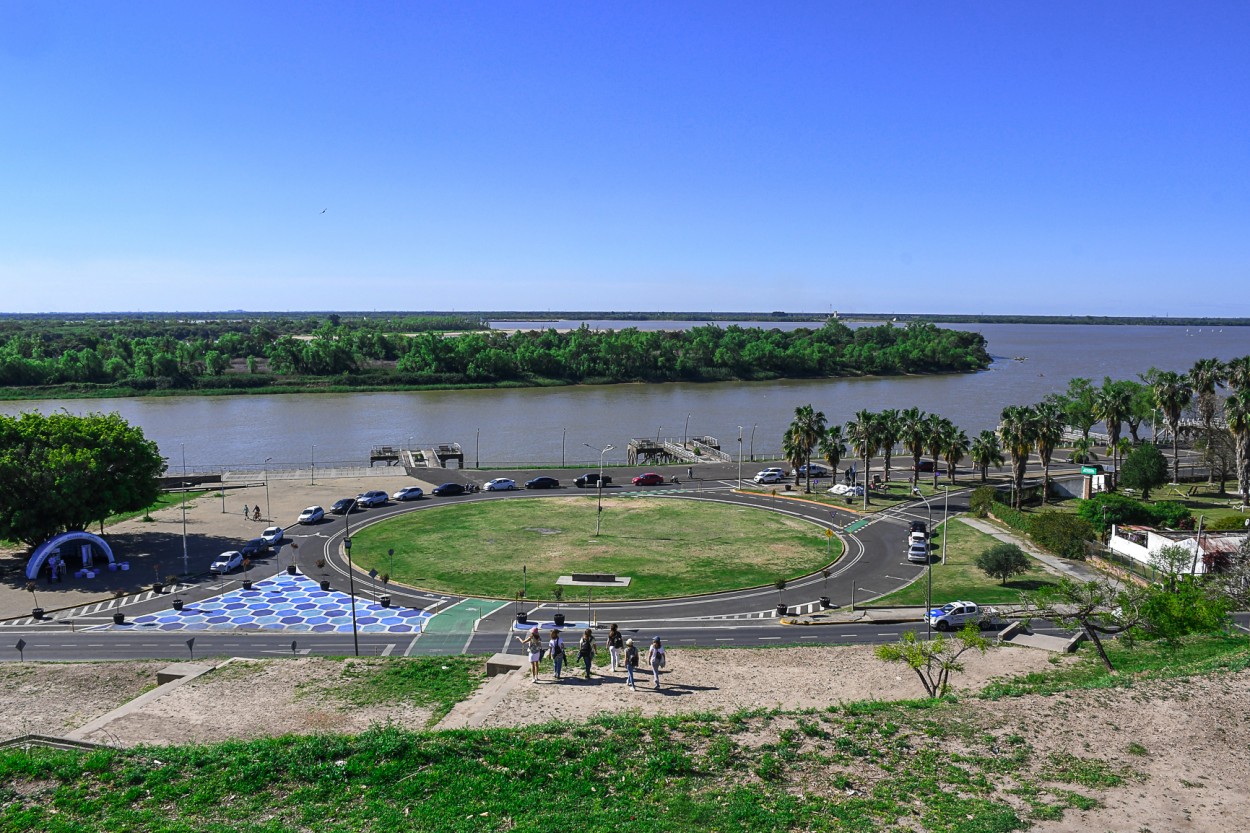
(655, 658)
(631, 662)
(555, 646)
(586, 650)
(534, 646)
(616, 643)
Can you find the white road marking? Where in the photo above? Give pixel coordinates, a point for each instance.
(412, 645)
(386, 652)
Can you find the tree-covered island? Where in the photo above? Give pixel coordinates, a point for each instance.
(121, 356)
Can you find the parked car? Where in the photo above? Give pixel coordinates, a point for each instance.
(918, 526)
(500, 484)
(372, 498)
(256, 546)
(343, 506)
(780, 472)
(925, 466)
(312, 515)
(273, 535)
(767, 476)
(409, 493)
(542, 483)
(648, 479)
(452, 490)
(591, 480)
(817, 470)
(955, 615)
(227, 562)
(918, 552)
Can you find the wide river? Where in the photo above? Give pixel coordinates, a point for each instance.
(554, 425)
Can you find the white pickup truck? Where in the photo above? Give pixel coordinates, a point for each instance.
(953, 616)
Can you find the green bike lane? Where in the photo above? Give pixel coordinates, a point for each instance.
(451, 629)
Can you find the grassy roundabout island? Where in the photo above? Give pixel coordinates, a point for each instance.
(669, 547)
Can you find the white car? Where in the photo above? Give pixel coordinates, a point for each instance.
(500, 484)
(953, 616)
(272, 535)
(767, 476)
(918, 552)
(373, 498)
(409, 493)
(780, 472)
(311, 515)
(227, 562)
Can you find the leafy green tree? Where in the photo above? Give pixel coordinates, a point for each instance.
(1062, 533)
(1078, 405)
(986, 451)
(1099, 608)
(1187, 607)
(1003, 561)
(1145, 469)
(1171, 394)
(934, 660)
(62, 472)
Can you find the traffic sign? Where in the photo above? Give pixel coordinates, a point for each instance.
(1089, 469)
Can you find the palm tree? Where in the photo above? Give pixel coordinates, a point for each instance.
(1171, 396)
(1048, 425)
(808, 427)
(833, 447)
(1111, 403)
(1237, 415)
(1204, 377)
(862, 434)
(888, 426)
(936, 441)
(792, 449)
(1017, 433)
(954, 446)
(986, 451)
(913, 432)
(1237, 373)
(1083, 450)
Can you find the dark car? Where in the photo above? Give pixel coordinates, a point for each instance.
(342, 507)
(451, 490)
(918, 526)
(256, 546)
(925, 466)
(591, 479)
(542, 483)
(649, 479)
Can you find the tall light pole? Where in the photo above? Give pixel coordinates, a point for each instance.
(312, 478)
(268, 516)
(563, 433)
(351, 581)
(186, 564)
(477, 448)
(739, 458)
(753, 427)
(685, 431)
(946, 514)
(928, 593)
(599, 512)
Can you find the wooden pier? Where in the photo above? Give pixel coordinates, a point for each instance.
(644, 450)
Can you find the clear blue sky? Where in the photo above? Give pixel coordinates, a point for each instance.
(999, 157)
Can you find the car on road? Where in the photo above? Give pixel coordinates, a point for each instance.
(767, 476)
(817, 470)
(648, 479)
(343, 506)
(925, 466)
(542, 483)
(254, 547)
(312, 515)
(918, 552)
(953, 616)
(500, 484)
(592, 480)
(453, 489)
(409, 493)
(781, 472)
(372, 498)
(273, 535)
(227, 562)
(918, 526)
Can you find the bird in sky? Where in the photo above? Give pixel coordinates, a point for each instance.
(324, 210)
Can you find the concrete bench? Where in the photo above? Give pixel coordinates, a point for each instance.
(503, 663)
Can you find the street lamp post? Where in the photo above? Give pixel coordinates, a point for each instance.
(477, 448)
(312, 478)
(753, 427)
(268, 516)
(186, 564)
(599, 512)
(351, 581)
(928, 593)
(685, 431)
(563, 433)
(946, 514)
(739, 458)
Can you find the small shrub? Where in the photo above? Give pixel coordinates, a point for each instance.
(1062, 533)
(1229, 523)
(982, 500)
(1013, 518)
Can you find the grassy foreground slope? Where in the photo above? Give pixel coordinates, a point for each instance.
(952, 765)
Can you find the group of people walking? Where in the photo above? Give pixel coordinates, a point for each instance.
(621, 651)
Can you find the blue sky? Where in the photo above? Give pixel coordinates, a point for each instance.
(998, 157)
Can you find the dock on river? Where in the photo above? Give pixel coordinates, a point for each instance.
(644, 450)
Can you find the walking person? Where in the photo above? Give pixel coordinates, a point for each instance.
(586, 650)
(616, 643)
(256, 513)
(631, 662)
(555, 647)
(534, 645)
(246, 514)
(655, 658)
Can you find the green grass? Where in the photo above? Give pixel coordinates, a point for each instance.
(959, 577)
(166, 500)
(669, 547)
(436, 683)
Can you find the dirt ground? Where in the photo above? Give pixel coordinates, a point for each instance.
(1190, 737)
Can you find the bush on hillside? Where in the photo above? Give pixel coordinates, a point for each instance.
(1062, 533)
(982, 500)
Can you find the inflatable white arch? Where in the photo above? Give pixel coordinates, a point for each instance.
(54, 544)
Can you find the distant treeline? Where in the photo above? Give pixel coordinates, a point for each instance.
(119, 357)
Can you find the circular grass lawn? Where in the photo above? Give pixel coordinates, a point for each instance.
(669, 547)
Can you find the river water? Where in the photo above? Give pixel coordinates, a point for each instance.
(550, 426)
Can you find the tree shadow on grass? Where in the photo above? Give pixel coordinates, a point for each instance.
(1028, 585)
